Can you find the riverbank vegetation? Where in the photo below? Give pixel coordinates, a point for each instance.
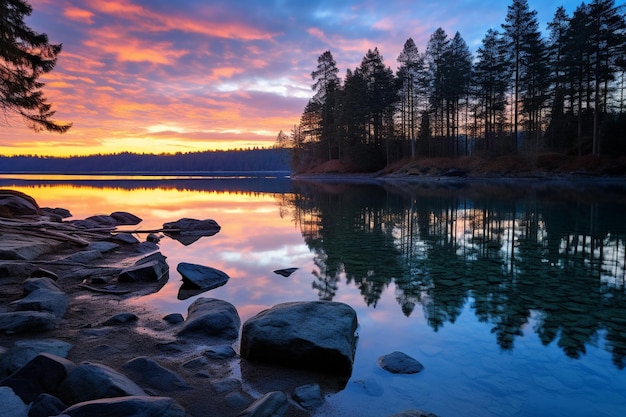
(520, 93)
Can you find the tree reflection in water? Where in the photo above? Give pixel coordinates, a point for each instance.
(553, 252)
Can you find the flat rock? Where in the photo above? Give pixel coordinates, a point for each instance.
(28, 248)
(129, 406)
(43, 295)
(27, 321)
(84, 257)
(272, 404)
(12, 405)
(125, 238)
(219, 352)
(23, 351)
(146, 371)
(200, 277)
(125, 218)
(102, 247)
(187, 230)
(318, 335)
(90, 381)
(213, 318)
(308, 396)
(44, 373)
(400, 363)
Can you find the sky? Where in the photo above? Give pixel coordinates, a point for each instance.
(165, 76)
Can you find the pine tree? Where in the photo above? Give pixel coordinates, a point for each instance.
(410, 73)
(24, 56)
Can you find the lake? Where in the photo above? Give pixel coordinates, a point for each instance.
(511, 294)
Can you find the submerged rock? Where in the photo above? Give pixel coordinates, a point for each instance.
(318, 335)
(400, 363)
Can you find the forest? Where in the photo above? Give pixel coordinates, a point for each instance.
(520, 93)
(243, 160)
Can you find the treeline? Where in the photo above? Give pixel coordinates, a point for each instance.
(520, 92)
(229, 161)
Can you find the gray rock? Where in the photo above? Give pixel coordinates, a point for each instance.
(12, 405)
(90, 381)
(318, 335)
(202, 277)
(272, 404)
(153, 237)
(150, 268)
(33, 284)
(125, 218)
(27, 248)
(44, 273)
(147, 247)
(187, 231)
(414, 413)
(23, 351)
(145, 371)
(27, 321)
(174, 318)
(220, 352)
(102, 247)
(58, 211)
(42, 374)
(46, 405)
(126, 238)
(102, 220)
(18, 203)
(211, 317)
(225, 385)
(130, 406)
(121, 318)
(84, 257)
(400, 363)
(308, 396)
(42, 295)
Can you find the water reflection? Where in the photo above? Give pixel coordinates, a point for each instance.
(555, 253)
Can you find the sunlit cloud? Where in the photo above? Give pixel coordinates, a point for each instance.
(145, 76)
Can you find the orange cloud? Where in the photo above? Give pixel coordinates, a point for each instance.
(79, 15)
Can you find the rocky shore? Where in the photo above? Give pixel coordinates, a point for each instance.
(72, 346)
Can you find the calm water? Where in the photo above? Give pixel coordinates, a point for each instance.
(512, 296)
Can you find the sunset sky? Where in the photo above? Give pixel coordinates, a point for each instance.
(178, 76)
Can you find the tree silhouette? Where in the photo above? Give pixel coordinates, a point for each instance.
(24, 56)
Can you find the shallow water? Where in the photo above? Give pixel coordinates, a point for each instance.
(512, 296)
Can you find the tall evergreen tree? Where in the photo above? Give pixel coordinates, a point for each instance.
(435, 50)
(326, 85)
(24, 56)
(491, 80)
(521, 29)
(410, 73)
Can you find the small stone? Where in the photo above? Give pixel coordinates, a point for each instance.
(174, 318)
(400, 363)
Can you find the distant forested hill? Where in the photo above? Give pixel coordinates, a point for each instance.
(234, 160)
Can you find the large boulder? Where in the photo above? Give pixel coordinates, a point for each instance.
(16, 203)
(90, 381)
(43, 374)
(213, 318)
(318, 335)
(130, 406)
